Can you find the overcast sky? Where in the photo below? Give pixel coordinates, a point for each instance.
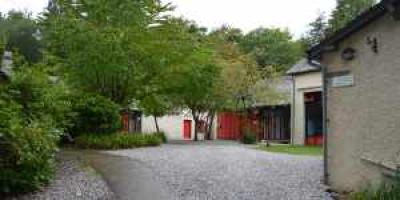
(244, 14)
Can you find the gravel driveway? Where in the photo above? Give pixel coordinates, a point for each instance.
(230, 171)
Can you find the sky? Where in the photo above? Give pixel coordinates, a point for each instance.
(244, 14)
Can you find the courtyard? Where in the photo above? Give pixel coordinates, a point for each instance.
(209, 170)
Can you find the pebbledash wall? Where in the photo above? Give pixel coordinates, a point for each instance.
(172, 125)
(363, 120)
(303, 83)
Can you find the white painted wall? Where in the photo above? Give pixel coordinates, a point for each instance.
(307, 82)
(172, 125)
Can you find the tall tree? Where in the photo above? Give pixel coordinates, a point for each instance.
(274, 49)
(22, 34)
(317, 31)
(105, 46)
(345, 11)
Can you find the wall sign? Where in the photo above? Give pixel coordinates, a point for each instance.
(346, 80)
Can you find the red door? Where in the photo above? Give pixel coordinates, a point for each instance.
(187, 129)
(228, 126)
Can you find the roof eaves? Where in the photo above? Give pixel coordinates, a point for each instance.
(355, 25)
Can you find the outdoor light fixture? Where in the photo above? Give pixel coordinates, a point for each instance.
(348, 54)
(373, 43)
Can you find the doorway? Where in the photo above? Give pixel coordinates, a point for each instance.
(313, 118)
(187, 129)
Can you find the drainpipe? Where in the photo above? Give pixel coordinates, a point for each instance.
(325, 121)
(293, 110)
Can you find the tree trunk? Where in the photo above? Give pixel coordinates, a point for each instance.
(156, 122)
(210, 119)
(196, 137)
(195, 119)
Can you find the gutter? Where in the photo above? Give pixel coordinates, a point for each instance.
(325, 122)
(293, 110)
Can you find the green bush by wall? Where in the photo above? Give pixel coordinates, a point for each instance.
(117, 141)
(248, 137)
(95, 114)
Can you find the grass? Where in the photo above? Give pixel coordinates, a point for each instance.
(385, 191)
(292, 149)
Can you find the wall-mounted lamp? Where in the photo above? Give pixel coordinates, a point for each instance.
(348, 54)
(373, 43)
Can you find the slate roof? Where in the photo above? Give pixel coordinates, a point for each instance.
(304, 66)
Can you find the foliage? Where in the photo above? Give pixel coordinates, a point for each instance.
(239, 71)
(116, 141)
(101, 48)
(27, 160)
(2, 46)
(33, 114)
(383, 192)
(40, 99)
(95, 114)
(273, 49)
(292, 149)
(21, 33)
(316, 33)
(248, 137)
(345, 11)
(162, 137)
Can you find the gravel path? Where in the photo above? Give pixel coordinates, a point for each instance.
(73, 181)
(230, 172)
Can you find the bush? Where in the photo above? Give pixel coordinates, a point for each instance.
(27, 158)
(95, 114)
(116, 141)
(162, 136)
(248, 137)
(27, 148)
(39, 99)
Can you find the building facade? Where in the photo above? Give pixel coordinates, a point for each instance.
(362, 76)
(306, 110)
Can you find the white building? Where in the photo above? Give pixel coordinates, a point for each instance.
(176, 126)
(306, 110)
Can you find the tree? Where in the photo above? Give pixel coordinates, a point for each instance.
(274, 49)
(22, 34)
(105, 47)
(155, 105)
(345, 11)
(316, 33)
(195, 83)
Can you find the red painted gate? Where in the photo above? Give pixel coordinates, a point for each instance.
(187, 129)
(229, 126)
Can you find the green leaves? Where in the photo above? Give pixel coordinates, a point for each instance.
(273, 49)
(345, 11)
(107, 51)
(95, 114)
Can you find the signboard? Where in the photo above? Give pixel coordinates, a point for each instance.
(345, 80)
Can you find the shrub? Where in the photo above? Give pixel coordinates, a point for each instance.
(29, 130)
(95, 114)
(116, 141)
(248, 137)
(39, 99)
(27, 160)
(162, 136)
